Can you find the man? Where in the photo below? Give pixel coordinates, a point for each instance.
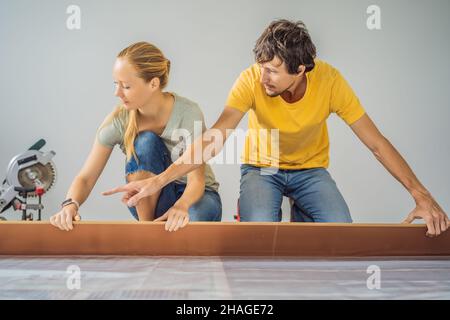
(288, 89)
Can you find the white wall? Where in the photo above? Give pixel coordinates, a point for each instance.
(56, 83)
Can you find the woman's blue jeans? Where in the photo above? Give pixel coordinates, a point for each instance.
(154, 157)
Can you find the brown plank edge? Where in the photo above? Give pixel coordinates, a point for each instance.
(221, 239)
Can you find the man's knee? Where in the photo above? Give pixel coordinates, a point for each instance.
(333, 210)
(262, 211)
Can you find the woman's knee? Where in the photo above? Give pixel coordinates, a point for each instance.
(146, 142)
(208, 208)
(151, 154)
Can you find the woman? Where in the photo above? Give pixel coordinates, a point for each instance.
(147, 127)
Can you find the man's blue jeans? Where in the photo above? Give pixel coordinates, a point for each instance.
(154, 157)
(314, 193)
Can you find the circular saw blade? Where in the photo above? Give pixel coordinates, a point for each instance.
(37, 174)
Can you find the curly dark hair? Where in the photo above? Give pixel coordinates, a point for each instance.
(289, 41)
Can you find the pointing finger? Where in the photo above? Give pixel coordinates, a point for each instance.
(115, 190)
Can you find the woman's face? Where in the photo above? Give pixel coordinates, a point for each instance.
(131, 89)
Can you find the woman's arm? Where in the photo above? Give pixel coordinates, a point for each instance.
(82, 185)
(85, 181)
(178, 215)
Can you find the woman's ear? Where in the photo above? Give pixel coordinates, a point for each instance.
(154, 83)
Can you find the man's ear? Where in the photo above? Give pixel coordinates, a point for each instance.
(301, 69)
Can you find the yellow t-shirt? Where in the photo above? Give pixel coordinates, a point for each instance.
(301, 140)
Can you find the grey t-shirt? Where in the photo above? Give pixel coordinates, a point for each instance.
(185, 124)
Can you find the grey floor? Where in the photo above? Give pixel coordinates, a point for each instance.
(220, 278)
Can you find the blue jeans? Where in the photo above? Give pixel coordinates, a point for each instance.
(314, 193)
(154, 157)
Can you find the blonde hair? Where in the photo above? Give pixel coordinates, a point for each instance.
(150, 63)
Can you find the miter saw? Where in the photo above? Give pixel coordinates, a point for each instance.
(30, 174)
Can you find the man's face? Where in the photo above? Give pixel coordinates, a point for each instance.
(275, 78)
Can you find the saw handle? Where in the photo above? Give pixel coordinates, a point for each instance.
(38, 145)
(24, 190)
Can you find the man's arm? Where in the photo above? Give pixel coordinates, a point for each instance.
(195, 188)
(191, 159)
(194, 156)
(426, 207)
